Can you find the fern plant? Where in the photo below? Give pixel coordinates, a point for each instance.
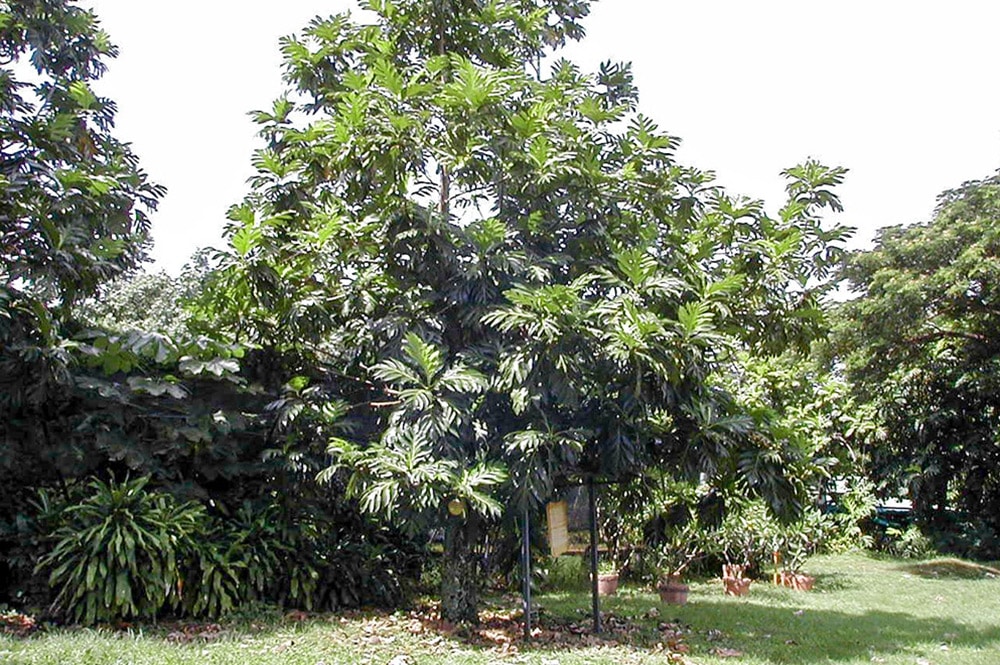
(117, 554)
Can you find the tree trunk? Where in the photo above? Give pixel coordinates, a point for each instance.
(930, 500)
(459, 574)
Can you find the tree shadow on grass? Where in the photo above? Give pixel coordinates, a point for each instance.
(761, 628)
(836, 582)
(781, 634)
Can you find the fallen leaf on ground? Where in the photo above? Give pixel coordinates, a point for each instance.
(401, 659)
(725, 652)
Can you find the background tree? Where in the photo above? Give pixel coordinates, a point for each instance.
(495, 266)
(99, 376)
(804, 411)
(920, 347)
(74, 203)
(73, 213)
(150, 301)
(73, 209)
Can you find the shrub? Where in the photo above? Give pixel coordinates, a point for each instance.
(123, 551)
(850, 516)
(908, 543)
(24, 539)
(748, 534)
(802, 538)
(960, 535)
(211, 583)
(335, 559)
(117, 554)
(565, 573)
(235, 562)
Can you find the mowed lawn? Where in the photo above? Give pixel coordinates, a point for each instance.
(863, 610)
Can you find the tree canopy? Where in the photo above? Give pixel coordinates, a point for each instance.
(920, 347)
(489, 269)
(74, 203)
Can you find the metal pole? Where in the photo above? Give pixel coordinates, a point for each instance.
(593, 555)
(526, 568)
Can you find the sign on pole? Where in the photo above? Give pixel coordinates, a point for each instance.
(557, 516)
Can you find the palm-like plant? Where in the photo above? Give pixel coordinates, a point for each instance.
(419, 464)
(120, 552)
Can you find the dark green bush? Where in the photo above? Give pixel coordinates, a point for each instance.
(908, 543)
(965, 536)
(118, 554)
(236, 562)
(24, 539)
(120, 550)
(565, 573)
(330, 557)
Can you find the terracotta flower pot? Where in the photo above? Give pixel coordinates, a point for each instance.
(796, 581)
(736, 586)
(607, 584)
(673, 592)
(734, 570)
(804, 582)
(801, 582)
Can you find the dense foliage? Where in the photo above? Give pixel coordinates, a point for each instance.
(119, 552)
(494, 278)
(73, 212)
(920, 348)
(467, 276)
(74, 202)
(101, 378)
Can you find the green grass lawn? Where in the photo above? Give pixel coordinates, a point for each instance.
(863, 610)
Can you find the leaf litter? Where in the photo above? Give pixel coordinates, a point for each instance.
(501, 631)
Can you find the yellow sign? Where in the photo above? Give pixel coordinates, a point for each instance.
(557, 514)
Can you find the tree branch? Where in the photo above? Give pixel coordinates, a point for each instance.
(945, 334)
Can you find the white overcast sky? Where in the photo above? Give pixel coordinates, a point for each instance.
(903, 93)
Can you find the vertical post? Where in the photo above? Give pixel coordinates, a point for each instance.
(526, 570)
(595, 599)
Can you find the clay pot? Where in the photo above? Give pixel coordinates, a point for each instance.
(796, 581)
(672, 591)
(734, 570)
(607, 584)
(736, 586)
(804, 582)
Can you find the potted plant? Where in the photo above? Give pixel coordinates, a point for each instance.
(746, 532)
(682, 546)
(790, 573)
(794, 545)
(607, 577)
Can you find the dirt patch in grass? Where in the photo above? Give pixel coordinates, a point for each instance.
(501, 631)
(951, 568)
